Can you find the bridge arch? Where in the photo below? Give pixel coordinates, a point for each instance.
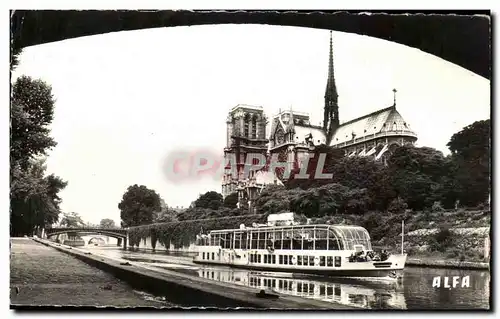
(120, 234)
(460, 39)
(95, 239)
(83, 231)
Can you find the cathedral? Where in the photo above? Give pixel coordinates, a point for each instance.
(292, 136)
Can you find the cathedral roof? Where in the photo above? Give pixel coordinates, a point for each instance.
(303, 131)
(382, 122)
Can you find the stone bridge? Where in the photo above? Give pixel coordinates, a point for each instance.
(119, 233)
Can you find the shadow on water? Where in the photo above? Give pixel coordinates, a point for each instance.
(415, 291)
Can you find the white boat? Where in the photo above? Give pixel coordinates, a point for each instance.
(309, 249)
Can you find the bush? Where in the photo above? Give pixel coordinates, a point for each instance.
(441, 240)
(397, 206)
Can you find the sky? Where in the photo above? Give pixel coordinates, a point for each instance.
(126, 100)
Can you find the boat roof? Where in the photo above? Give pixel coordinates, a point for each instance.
(326, 226)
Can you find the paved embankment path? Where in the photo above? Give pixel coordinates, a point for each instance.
(43, 276)
(191, 291)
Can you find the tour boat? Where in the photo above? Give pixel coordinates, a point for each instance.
(332, 250)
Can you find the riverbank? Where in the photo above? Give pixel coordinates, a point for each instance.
(424, 261)
(190, 291)
(43, 276)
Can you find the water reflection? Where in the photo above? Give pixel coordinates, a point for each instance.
(415, 291)
(371, 295)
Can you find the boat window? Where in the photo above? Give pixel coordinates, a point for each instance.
(253, 241)
(297, 239)
(285, 260)
(213, 256)
(290, 261)
(278, 239)
(322, 290)
(244, 240)
(311, 260)
(299, 287)
(309, 243)
(322, 260)
(321, 239)
(329, 261)
(337, 290)
(274, 259)
(329, 291)
(203, 255)
(265, 259)
(299, 260)
(281, 259)
(269, 239)
(338, 261)
(258, 258)
(287, 239)
(261, 240)
(237, 240)
(305, 260)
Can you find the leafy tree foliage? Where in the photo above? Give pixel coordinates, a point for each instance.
(211, 200)
(471, 155)
(107, 223)
(34, 200)
(34, 196)
(165, 215)
(415, 176)
(71, 219)
(231, 200)
(202, 213)
(32, 111)
(138, 206)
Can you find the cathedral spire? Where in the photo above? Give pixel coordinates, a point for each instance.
(331, 111)
(394, 91)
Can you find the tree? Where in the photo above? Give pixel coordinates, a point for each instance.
(138, 205)
(32, 111)
(34, 196)
(165, 215)
(470, 150)
(71, 219)
(107, 223)
(419, 175)
(231, 200)
(212, 200)
(34, 200)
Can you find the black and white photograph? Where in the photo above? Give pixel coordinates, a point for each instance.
(222, 160)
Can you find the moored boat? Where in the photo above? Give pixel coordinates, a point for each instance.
(333, 250)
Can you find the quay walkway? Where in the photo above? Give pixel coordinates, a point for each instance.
(182, 290)
(43, 276)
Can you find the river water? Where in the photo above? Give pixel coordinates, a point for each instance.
(414, 291)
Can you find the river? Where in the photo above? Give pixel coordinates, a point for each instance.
(415, 291)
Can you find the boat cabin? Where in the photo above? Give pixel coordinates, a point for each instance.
(293, 237)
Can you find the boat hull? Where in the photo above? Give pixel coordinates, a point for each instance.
(389, 267)
(388, 272)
